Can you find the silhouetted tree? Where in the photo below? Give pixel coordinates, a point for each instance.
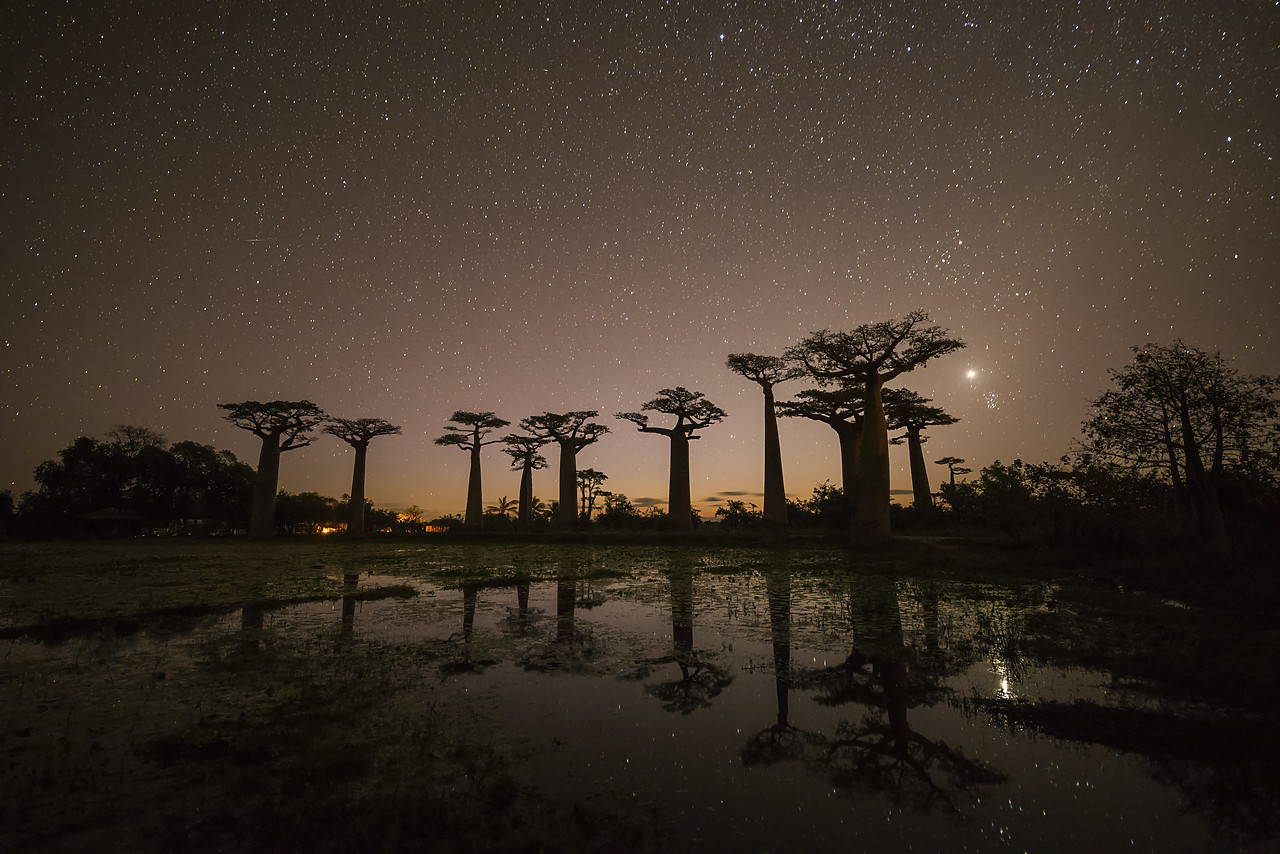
(872, 355)
(841, 410)
(572, 431)
(131, 440)
(907, 410)
(523, 451)
(504, 506)
(693, 412)
(1192, 415)
(470, 437)
(308, 512)
(766, 372)
(411, 519)
(358, 433)
(953, 467)
(282, 425)
(590, 487)
(619, 512)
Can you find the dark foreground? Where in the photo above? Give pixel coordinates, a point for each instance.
(488, 697)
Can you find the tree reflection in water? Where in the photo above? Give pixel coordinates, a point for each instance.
(880, 752)
(781, 742)
(701, 679)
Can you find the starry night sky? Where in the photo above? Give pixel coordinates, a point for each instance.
(399, 210)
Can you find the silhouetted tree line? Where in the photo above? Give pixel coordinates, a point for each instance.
(1182, 439)
(133, 480)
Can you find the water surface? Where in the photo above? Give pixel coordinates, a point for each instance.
(676, 703)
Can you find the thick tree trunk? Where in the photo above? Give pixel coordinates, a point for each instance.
(871, 484)
(922, 495)
(262, 516)
(850, 436)
(775, 493)
(475, 504)
(679, 504)
(1204, 492)
(525, 520)
(355, 512)
(568, 514)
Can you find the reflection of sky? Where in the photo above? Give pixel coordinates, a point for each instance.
(399, 212)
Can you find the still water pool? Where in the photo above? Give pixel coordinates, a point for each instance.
(678, 706)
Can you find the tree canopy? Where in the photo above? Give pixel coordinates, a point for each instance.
(870, 356)
(1193, 416)
(290, 422)
(693, 412)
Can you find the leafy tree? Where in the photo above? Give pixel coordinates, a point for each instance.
(841, 410)
(766, 372)
(907, 410)
(308, 512)
(358, 433)
(210, 485)
(953, 467)
(1193, 416)
(693, 412)
(739, 514)
(470, 437)
(828, 507)
(187, 486)
(523, 451)
(870, 356)
(504, 506)
(282, 425)
(131, 440)
(572, 431)
(411, 519)
(590, 488)
(619, 513)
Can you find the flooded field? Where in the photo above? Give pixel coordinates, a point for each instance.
(622, 699)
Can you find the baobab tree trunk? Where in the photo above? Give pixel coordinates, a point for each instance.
(775, 493)
(475, 504)
(355, 512)
(1204, 492)
(525, 520)
(679, 504)
(850, 436)
(262, 515)
(568, 514)
(871, 484)
(923, 496)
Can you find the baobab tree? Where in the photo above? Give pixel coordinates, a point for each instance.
(523, 451)
(953, 467)
(282, 425)
(1191, 416)
(841, 410)
(870, 356)
(906, 410)
(470, 435)
(358, 433)
(572, 431)
(693, 412)
(766, 372)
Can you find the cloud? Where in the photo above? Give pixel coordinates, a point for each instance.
(649, 502)
(720, 496)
